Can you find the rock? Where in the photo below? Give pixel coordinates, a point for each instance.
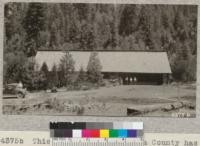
(178, 105)
(190, 106)
(167, 108)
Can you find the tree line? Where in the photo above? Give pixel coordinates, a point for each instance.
(30, 27)
(64, 75)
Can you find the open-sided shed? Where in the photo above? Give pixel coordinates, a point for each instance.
(132, 67)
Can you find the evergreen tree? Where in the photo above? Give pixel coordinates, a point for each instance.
(45, 72)
(82, 75)
(87, 39)
(33, 23)
(54, 39)
(66, 69)
(38, 81)
(94, 68)
(44, 68)
(55, 24)
(54, 76)
(14, 14)
(128, 20)
(15, 67)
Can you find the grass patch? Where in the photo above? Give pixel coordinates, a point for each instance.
(55, 104)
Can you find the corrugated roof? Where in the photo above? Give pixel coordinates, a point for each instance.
(112, 61)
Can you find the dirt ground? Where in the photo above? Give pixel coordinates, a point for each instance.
(130, 100)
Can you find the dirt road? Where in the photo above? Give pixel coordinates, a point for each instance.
(105, 101)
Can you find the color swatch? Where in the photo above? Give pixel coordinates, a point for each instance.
(97, 130)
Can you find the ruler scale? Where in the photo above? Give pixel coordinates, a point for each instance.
(96, 143)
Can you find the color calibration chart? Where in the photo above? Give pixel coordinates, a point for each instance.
(95, 133)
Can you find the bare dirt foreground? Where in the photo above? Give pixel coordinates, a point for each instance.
(131, 100)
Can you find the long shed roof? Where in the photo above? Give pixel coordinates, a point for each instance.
(112, 61)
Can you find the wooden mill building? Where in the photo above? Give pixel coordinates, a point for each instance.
(131, 67)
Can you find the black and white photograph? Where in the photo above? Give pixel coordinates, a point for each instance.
(95, 59)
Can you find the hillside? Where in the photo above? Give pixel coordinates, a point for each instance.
(46, 26)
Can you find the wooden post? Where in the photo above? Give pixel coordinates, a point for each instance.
(164, 79)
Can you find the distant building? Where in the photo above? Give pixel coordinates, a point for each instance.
(131, 67)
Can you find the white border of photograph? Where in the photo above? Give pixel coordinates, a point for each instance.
(151, 124)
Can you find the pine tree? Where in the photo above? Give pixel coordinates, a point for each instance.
(44, 68)
(87, 39)
(66, 69)
(14, 15)
(81, 75)
(15, 67)
(94, 68)
(54, 76)
(45, 72)
(54, 38)
(33, 23)
(128, 20)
